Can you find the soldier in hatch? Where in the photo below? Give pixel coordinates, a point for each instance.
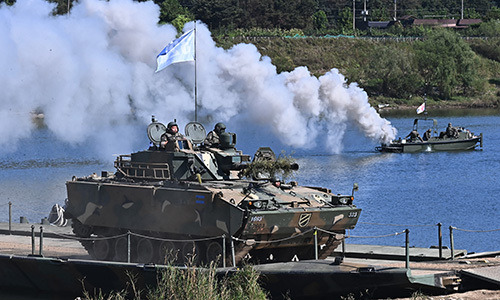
(212, 139)
(170, 137)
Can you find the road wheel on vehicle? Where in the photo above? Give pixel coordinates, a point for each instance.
(102, 249)
(214, 253)
(145, 250)
(121, 249)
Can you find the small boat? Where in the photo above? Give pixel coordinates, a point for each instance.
(453, 139)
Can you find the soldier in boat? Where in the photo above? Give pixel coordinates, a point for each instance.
(414, 136)
(451, 132)
(427, 134)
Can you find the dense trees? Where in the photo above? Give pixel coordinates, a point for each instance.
(320, 20)
(487, 48)
(171, 9)
(283, 14)
(445, 62)
(441, 65)
(391, 72)
(218, 13)
(304, 14)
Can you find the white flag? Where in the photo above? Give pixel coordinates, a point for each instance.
(421, 108)
(179, 50)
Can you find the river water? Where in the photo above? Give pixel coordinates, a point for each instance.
(396, 191)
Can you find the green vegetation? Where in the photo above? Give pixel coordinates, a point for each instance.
(489, 49)
(193, 284)
(442, 66)
(397, 65)
(326, 16)
(445, 63)
(284, 166)
(172, 12)
(436, 63)
(312, 16)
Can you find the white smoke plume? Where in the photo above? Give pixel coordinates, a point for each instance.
(92, 75)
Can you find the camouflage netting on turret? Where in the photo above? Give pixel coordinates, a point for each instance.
(284, 165)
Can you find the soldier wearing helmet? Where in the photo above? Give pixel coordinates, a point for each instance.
(170, 137)
(414, 136)
(427, 135)
(212, 139)
(451, 131)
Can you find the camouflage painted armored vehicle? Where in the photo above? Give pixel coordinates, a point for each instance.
(195, 200)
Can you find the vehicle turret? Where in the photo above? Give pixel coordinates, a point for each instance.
(198, 199)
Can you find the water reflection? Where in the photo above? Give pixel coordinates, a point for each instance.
(453, 188)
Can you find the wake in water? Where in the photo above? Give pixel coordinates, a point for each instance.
(92, 74)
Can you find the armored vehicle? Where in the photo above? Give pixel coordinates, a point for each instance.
(453, 139)
(196, 202)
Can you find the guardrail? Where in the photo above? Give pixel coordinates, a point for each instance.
(129, 234)
(313, 231)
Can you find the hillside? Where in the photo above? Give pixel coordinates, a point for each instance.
(385, 68)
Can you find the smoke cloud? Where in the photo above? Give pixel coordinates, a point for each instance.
(92, 75)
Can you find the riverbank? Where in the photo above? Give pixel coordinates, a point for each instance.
(439, 109)
(468, 274)
(389, 71)
(397, 104)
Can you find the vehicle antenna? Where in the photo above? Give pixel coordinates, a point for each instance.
(195, 79)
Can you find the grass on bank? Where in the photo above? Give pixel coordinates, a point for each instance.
(192, 283)
(362, 61)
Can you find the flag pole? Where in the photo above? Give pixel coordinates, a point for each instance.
(195, 79)
(425, 104)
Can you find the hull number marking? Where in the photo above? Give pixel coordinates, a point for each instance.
(256, 219)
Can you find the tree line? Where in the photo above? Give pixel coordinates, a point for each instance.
(307, 15)
(441, 65)
(318, 15)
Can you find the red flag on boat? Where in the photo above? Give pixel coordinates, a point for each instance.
(421, 108)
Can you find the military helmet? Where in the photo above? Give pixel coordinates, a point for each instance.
(172, 124)
(220, 127)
